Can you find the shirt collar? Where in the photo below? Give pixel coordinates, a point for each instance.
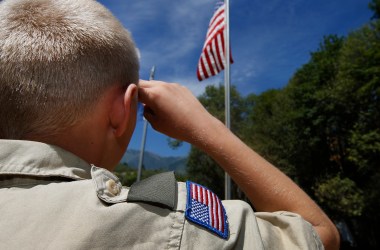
(39, 159)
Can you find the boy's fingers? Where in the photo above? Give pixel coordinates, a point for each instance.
(148, 113)
(148, 84)
(143, 94)
(144, 83)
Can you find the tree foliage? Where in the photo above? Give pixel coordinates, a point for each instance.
(341, 195)
(374, 5)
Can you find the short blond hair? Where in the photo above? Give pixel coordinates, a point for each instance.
(57, 57)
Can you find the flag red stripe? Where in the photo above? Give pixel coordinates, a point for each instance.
(220, 53)
(219, 25)
(203, 196)
(212, 57)
(218, 12)
(208, 67)
(212, 35)
(222, 217)
(215, 207)
(215, 37)
(216, 213)
(207, 196)
(215, 54)
(199, 198)
(221, 49)
(209, 64)
(205, 75)
(199, 74)
(212, 207)
(224, 47)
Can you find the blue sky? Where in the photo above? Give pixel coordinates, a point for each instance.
(270, 40)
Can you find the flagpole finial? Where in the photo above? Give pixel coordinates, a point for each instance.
(152, 71)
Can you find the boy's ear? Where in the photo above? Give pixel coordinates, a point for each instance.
(122, 110)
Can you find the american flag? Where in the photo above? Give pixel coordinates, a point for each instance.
(212, 59)
(205, 208)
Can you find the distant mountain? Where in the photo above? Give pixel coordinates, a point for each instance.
(154, 161)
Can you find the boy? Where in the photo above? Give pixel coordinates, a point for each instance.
(69, 91)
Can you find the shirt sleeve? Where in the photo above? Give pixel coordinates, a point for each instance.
(249, 230)
(286, 230)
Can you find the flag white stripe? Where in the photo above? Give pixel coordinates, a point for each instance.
(204, 69)
(216, 25)
(217, 13)
(221, 50)
(214, 33)
(203, 195)
(201, 73)
(214, 210)
(204, 60)
(219, 215)
(209, 205)
(213, 46)
(212, 60)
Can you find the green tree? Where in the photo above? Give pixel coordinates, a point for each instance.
(358, 91)
(357, 95)
(322, 129)
(269, 130)
(341, 196)
(374, 5)
(296, 127)
(126, 174)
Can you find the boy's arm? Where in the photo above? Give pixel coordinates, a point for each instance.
(174, 111)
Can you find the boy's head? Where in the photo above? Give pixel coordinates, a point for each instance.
(57, 59)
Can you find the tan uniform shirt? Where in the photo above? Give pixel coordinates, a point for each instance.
(51, 199)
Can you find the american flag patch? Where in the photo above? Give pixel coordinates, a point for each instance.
(204, 208)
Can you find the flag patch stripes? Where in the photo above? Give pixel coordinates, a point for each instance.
(212, 59)
(205, 208)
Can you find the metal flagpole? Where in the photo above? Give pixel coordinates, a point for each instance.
(142, 149)
(227, 79)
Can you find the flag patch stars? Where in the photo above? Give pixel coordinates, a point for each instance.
(205, 209)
